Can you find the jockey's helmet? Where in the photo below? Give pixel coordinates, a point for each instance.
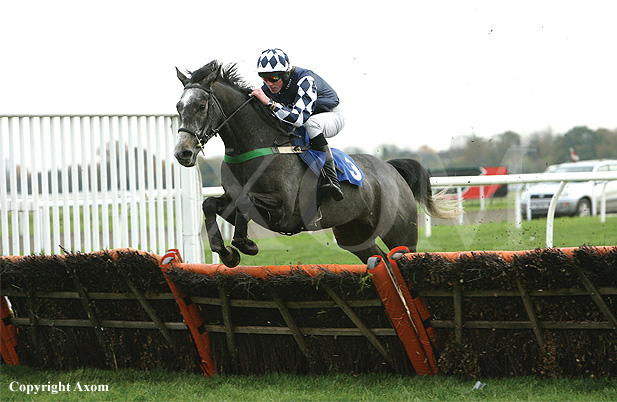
(273, 61)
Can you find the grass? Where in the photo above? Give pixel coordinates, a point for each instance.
(491, 203)
(124, 209)
(160, 385)
(321, 248)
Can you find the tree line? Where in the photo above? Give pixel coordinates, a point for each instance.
(520, 154)
(529, 154)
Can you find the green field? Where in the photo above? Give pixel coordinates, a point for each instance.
(161, 385)
(320, 247)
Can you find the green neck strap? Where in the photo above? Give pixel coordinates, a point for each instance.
(248, 155)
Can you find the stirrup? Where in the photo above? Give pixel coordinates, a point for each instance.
(315, 220)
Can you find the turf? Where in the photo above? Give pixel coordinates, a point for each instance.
(321, 247)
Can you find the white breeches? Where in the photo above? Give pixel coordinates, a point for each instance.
(327, 123)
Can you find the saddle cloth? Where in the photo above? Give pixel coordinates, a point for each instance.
(346, 168)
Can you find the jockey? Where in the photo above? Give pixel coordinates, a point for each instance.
(300, 97)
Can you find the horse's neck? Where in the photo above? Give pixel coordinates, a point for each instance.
(248, 129)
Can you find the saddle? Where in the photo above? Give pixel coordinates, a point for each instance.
(346, 168)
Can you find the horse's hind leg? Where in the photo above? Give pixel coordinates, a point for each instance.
(404, 231)
(211, 207)
(359, 239)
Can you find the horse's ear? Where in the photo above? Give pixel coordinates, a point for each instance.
(212, 77)
(183, 79)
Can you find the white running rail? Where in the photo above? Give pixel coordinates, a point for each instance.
(85, 183)
(564, 178)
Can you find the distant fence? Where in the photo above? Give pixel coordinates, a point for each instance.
(88, 183)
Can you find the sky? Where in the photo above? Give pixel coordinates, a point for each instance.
(409, 73)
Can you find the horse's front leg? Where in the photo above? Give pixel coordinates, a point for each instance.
(241, 239)
(211, 207)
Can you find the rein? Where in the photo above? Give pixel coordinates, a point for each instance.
(205, 135)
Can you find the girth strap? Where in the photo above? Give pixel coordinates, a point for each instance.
(256, 153)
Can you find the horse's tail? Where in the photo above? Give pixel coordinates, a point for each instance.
(418, 179)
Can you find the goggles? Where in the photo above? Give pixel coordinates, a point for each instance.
(271, 78)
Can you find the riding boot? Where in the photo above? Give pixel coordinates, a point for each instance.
(330, 183)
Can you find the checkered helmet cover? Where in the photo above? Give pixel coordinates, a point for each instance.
(273, 60)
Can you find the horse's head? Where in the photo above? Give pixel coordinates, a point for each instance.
(209, 93)
(198, 112)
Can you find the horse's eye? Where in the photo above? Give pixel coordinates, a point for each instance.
(202, 107)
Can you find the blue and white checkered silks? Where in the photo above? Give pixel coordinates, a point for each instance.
(300, 111)
(273, 60)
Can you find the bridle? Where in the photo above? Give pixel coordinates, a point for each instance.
(205, 136)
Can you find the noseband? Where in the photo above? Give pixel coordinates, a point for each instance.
(205, 136)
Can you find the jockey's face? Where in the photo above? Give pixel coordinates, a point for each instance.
(275, 87)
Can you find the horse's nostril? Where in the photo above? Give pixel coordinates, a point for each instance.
(184, 154)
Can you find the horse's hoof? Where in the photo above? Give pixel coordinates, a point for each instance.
(232, 259)
(246, 246)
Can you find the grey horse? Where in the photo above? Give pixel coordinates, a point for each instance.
(265, 181)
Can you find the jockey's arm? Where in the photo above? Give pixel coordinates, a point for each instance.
(303, 106)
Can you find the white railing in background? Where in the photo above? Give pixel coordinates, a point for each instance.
(563, 178)
(57, 192)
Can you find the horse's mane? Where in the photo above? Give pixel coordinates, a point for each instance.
(229, 75)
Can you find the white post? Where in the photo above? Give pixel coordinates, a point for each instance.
(151, 194)
(13, 189)
(482, 206)
(594, 199)
(24, 209)
(4, 202)
(35, 159)
(132, 175)
(122, 176)
(179, 188)
(518, 215)
(603, 204)
(427, 225)
(192, 245)
(104, 122)
(55, 169)
(141, 180)
(113, 172)
(550, 217)
(45, 144)
(94, 191)
(160, 218)
(166, 140)
(86, 141)
(66, 209)
(459, 195)
(74, 149)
